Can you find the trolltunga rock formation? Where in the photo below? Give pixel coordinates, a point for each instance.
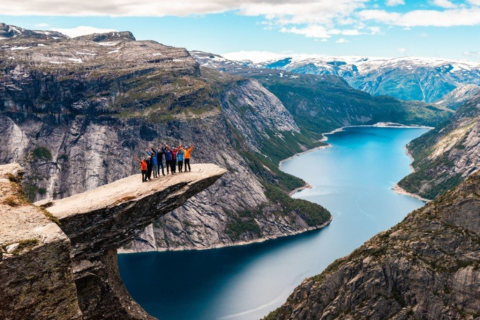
(70, 270)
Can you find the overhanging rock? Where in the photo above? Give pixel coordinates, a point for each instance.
(96, 223)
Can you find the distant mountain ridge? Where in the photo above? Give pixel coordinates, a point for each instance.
(406, 78)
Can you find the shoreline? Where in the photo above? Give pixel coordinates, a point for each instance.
(397, 189)
(236, 244)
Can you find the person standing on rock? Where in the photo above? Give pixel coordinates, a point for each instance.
(168, 158)
(180, 155)
(155, 163)
(173, 163)
(143, 168)
(160, 156)
(187, 154)
(149, 163)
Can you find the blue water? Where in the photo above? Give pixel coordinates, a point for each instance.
(353, 179)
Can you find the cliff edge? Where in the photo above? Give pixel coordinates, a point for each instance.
(58, 258)
(426, 267)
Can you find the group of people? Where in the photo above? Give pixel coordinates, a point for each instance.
(174, 157)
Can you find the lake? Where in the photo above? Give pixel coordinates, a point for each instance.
(353, 179)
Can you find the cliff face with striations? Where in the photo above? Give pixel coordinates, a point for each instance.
(447, 155)
(426, 267)
(75, 111)
(69, 270)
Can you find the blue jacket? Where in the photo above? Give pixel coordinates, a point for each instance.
(180, 155)
(168, 155)
(154, 157)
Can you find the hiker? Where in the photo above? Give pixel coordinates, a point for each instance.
(173, 163)
(168, 158)
(187, 155)
(143, 168)
(149, 163)
(160, 156)
(155, 163)
(180, 155)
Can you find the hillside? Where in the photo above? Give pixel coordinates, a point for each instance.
(446, 155)
(321, 103)
(426, 267)
(405, 78)
(74, 112)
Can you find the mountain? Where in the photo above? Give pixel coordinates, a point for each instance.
(459, 96)
(321, 103)
(426, 267)
(74, 112)
(17, 33)
(405, 78)
(446, 155)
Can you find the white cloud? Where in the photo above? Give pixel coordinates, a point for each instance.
(474, 2)
(402, 50)
(447, 4)
(375, 30)
(342, 40)
(324, 40)
(392, 3)
(82, 30)
(41, 25)
(445, 18)
(254, 56)
(318, 31)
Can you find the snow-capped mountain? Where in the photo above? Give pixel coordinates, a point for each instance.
(406, 78)
(10, 32)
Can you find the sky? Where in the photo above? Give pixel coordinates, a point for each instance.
(377, 28)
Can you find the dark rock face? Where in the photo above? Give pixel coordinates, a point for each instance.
(426, 267)
(37, 257)
(10, 32)
(111, 36)
(447, 155)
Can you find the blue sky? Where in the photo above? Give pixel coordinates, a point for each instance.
(391, 28)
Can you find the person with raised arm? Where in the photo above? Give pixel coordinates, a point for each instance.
(168, 158)
(187, 155)
(155, 162)
(143, 168)
(180, 155)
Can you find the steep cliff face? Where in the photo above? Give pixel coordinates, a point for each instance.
(61, 263)
(446, 155)
(426, 267)
(323, 102)
(459, 96)
(75, 111)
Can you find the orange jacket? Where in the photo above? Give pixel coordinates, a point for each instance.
(187, 152)
(143, 165)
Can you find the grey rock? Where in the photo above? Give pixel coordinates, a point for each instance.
(426, 267)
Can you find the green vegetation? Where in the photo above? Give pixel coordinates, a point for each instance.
(42, 153)
(63, 157)
(243, 222)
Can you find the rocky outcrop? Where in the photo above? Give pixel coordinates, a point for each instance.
(75, 111)
(459, 96)
(426, 267)
(36, 279)
(447, 155)
(42, 264)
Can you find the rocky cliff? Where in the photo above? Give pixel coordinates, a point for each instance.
(324, 102)
(426, 267)
(60, 262)
(75, 111)
(446, 155)
(406, 78)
